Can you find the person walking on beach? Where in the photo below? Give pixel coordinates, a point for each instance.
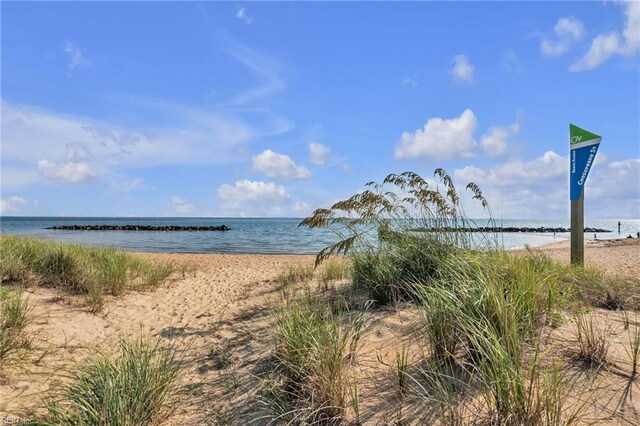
(619, 227)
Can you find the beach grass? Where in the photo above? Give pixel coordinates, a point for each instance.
(483, 315)
(398, 231)
(76, 269)
(313, 343)
(482, 309)
(15, 314)
(592, 341)
(136, 387)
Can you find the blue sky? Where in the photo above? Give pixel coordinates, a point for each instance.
(278, 108)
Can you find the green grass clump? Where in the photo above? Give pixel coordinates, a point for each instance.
(76, 269)
(314, 343)
(137, 387)
(483, 315)
(14, 317)
(333, 270)
(592, 342)
(13, 268)
(399, 231)
(287, 280)
(390, 274)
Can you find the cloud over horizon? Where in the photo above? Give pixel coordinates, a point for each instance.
(12, 204)
(538, 188)
(454, 138)
(250, 198)
(279, 166)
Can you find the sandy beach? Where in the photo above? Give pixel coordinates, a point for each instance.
(221, 303)
(617, 257)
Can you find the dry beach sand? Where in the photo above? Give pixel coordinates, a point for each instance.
(220, 313)
(618, 257)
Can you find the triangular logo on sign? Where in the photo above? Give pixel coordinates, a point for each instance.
(579, 135)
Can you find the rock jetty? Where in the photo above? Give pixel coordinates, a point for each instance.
(136, 228)
(525, 229)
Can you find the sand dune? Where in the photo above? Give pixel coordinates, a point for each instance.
(221, 305)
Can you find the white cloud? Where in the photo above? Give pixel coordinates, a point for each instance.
(318, 153)
(495, 141)
(569, 27)
(66, 172)
(241, 14)
(253, 198)
(440, 138)
(603, 47)
(76, 58)
(158, 132)
(454, 138)
(567, 30)
(516, 173)
(539, 188)
(615, 179)
(246, 190)
(184, 136)
(279, 166)
(462, 69)
(12, 204)
(180, 206)
(631, 32)
(606, 45)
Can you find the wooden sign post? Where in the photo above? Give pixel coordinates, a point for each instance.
(577, 237)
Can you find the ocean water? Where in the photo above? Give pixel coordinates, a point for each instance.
(254, 235)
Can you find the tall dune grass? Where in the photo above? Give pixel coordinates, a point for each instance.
(313, 344)
(76, 269)
(484, 314)
(14, 317)
(135, 388)
(399, 231)
(482, 309)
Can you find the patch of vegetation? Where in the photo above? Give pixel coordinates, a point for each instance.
(314, 343)
(482, 308)
(14, 317)
(137, 387)
(483, 315)
(592, 342)
(400, 231)
(332, 271)
(75, 269)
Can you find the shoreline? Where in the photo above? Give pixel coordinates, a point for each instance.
(611, 256)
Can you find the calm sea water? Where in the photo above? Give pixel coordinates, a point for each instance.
(262, 235)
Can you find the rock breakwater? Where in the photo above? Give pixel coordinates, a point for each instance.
(136, 228)
(525, 229)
